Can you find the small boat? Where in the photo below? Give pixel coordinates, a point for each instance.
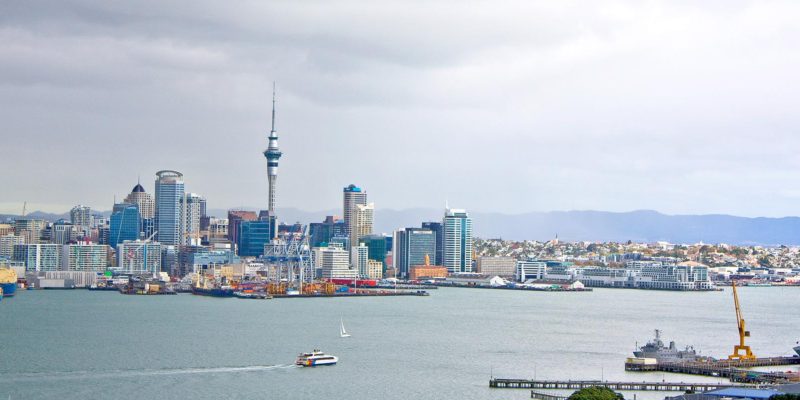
(315, 358)
(797, 349)
(342, 331)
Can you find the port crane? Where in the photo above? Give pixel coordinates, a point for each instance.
(743, 333)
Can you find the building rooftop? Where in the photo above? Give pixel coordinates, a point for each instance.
(740, 393)
(137, 189)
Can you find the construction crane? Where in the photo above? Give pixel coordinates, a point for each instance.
(743, 333)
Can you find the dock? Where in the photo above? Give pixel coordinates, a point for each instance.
(501, 383)
(734, 370)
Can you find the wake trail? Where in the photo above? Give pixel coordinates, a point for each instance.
(132, 373)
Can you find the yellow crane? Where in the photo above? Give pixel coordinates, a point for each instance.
(743, 333)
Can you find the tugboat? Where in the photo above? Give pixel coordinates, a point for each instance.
(315, 358)
(656, 349)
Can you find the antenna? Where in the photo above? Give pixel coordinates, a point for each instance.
(273, 106)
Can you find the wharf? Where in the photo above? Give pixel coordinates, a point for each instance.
(501, 383)
(735, 370)
(348, 294)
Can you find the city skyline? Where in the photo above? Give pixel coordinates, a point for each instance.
(656, 106)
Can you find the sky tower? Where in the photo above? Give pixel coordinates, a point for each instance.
(272, 153)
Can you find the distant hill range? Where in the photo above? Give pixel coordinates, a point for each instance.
(602, 226)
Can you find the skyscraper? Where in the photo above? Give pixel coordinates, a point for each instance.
(273, 154)
(252, 237)
(457, 241)
(81, 215)
(361, 222)
(353, 196)
(143, 200)
(411, 245)
(169, 207)
(194, 208)
(436, 227)
(125, 224)
(235, 217)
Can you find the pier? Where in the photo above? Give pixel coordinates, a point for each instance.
(501, 383)
(734, 370)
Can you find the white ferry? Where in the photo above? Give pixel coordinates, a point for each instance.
(315, 358)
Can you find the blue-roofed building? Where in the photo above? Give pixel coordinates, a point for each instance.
(742, 393)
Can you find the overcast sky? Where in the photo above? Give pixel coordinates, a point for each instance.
(680, 107)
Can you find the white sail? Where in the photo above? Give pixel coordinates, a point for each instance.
(342, 331)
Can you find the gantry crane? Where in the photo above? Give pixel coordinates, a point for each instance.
(743, 333)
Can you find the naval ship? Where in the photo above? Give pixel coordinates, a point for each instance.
(656, 349)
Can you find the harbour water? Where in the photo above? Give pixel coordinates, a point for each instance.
(84, 345)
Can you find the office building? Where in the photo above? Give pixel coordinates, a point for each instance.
(61, 232)
(427, 271)
(7, 243)
(361, 222)
(504, 267)
(252, 237)
(457, 241)
(320, 233)
(125, 224)
(438, 232)
(359, 259)
(336, 263)
(376, 244)
(374, 270)
(145, 202)
(30, 229)
(411, 247)
(39, 256)
(81, 215)
(530, 270)
(194, 205)
(353, 196)
(169, 207)
(235, 217)
(84, 257)
(138, 257)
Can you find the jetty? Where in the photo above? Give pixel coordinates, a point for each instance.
(502, 383)
(734, 370)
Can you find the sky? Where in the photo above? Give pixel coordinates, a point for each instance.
(682, 107)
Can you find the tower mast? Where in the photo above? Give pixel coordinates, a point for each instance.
(273, 154)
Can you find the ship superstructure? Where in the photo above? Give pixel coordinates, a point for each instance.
(656, 349)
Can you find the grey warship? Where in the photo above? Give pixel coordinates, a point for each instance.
(656, 349)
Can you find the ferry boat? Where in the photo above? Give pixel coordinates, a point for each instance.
(315, 358)
(797, 349)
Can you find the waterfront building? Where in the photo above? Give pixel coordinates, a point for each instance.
(427, 271)
(637, 275)
(235, 217)
(30, 229)
(7, 243)
(252, 237)
(39, 256)
(504, 267)
(438, 232)
(377, 247)
(125, 224)
(359, 259)
(272, 154)
(137, 257)
(321, 232)
(81, 215)
(527, 270)
(145, 202)
(84, 257)
(352, 197)
(361, 222)
(193, 212)
(411, 247)
(197, 258)
(336, 263)
(374, 270)
(169, 207)
(457, 241)
(169, 260)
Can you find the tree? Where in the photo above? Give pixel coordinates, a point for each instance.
(785, 397)
(596, 393)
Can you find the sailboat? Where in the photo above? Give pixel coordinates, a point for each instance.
(342, 331)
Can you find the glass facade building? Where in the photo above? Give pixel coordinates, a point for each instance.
(169, 207)
(457, 241)
(125, 224)
(412, 245)
(252, 237)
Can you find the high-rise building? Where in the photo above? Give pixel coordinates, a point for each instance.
(61, 232)
(147, 207)
(377, 248)
(235, 217)
(30, 229)
(438, 232)
(39, 257)
(81, 215)
(457, 241)
(336, 263)
(353, 196)
(359, 259)
(7, 243)
(411, 247)
(361, 222)
(135, 257)
(321, 232)
(193, 212)
(169, 207)
(273, 154)
(252, 237)
(125, 224)
(84, 257)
